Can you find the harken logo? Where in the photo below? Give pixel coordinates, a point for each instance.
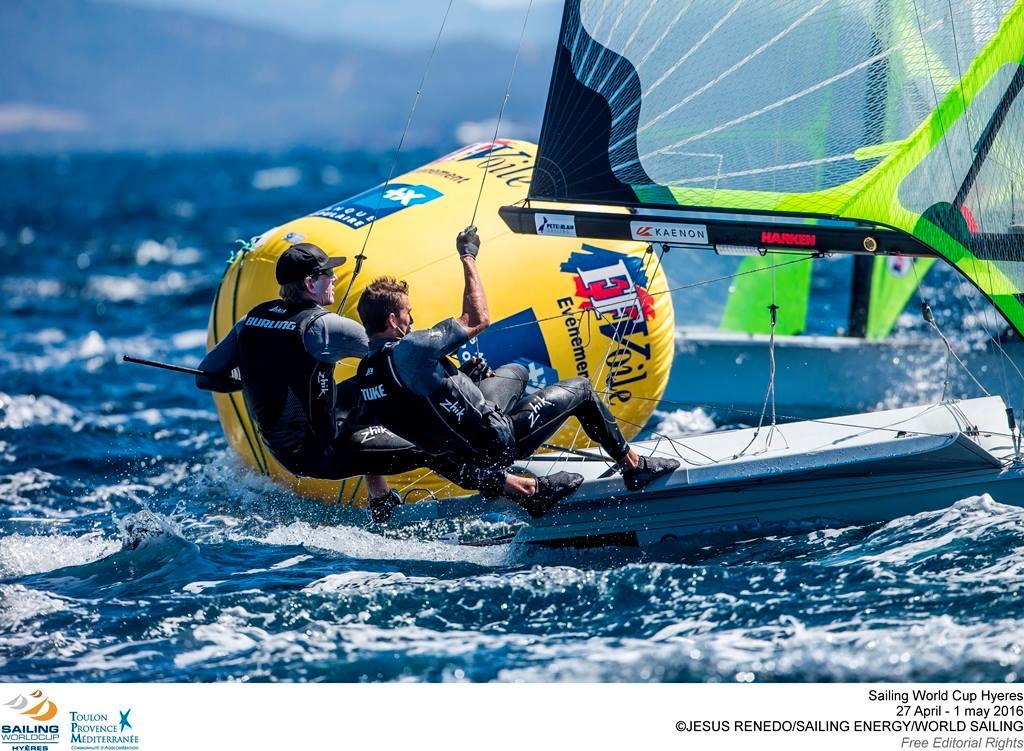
(799, 239)
(35, 706)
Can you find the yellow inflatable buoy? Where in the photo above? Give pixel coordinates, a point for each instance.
(559, 305)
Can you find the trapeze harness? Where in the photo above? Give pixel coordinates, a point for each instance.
(290, 392)
(454, 419)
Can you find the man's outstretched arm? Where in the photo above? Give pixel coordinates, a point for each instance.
(475, 317)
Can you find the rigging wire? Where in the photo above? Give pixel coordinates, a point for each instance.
(769, 394)
(361, 255)
(691, 285)
(501, 109)
(949, 158)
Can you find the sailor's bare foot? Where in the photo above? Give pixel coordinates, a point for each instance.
(517, 486)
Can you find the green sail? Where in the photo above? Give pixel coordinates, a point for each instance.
(893, 282)
(789, 286)
(733, 108)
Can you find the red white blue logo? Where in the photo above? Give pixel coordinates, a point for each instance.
(614, 285)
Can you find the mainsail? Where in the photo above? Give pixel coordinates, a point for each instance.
(767, 126)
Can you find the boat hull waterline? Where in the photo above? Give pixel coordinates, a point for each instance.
(848, 470)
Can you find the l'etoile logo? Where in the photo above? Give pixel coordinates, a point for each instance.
(614, 286)
(36, 707)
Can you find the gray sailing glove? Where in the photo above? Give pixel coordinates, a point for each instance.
(468, 242)
(476, 368)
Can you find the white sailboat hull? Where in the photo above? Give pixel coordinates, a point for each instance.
(845, 470)
(727, 373)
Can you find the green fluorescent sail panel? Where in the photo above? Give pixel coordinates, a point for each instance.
(787, 285)
(902, 113)
(893, 282)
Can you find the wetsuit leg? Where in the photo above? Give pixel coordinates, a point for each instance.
(537, 417)
(374, 450)
(368, 450)
(506, 386)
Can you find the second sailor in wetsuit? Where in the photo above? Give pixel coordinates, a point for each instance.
(411, 387)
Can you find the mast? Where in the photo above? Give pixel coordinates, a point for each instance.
(876, 93)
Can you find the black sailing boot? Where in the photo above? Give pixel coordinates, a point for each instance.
(649, 468)
(383, 506)
(550, 490)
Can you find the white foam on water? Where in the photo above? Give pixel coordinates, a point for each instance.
(120, 657)
(361, 581)
(894, 550)
(151, 417)
(21, 288)
(276, 177)
(133, 287)
(233, 640)
(18, 411)
(46, 336)
(151, 251)
(125, 489)
(233, 633)
(34, 554)
(20, 604)
(359, 543)
(189, 339)
(19, 489)
(293, 561)
(683, 422)
(933, 649)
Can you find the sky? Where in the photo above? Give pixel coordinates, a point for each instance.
(389, 23)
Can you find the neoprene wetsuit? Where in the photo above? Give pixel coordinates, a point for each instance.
(410, 386)
(286, 352)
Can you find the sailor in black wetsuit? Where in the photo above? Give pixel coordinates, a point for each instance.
(410, 386)
(286, 351)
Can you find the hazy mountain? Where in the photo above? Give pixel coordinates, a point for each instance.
(394, 23)
(84, 74)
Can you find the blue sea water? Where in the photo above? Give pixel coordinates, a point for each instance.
(135, 547)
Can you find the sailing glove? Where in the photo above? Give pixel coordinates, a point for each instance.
(476, 368)
(468, 242)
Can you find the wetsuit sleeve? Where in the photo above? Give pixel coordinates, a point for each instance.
(438, 341)
(331, 337)
(418, 353)
(221, 361)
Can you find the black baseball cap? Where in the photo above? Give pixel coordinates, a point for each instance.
(302, 260)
